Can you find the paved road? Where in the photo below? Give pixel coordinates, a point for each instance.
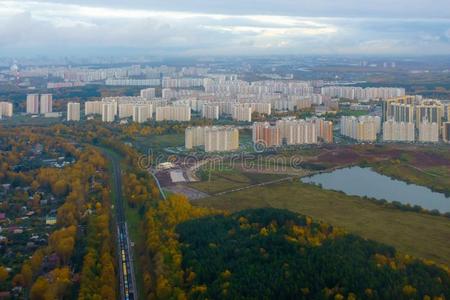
(125, 254)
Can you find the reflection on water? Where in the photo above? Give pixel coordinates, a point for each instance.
(366, 182)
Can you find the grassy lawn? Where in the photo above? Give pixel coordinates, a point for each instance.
(417, 234)
(158, 142)
(228, 179)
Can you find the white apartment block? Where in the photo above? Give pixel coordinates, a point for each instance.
(93, 108)
(446, 132)
(33, 104)
(241, 113)
(297, 132)
(142, 113)
(168, 82)
(214, 139)
(177, 94)
(125, 110)
(428, 132)
(195, 104)
(132, 82)
(210, 111)
(109, 111)
(173, 113)
(398, 131)
(261, 108)
(363, 129)
(6, 109)
(149, 93)
(73, 111)
(194, 137)
(46, 103)
(358, 93)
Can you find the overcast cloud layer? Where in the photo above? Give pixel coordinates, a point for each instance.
(225, 27)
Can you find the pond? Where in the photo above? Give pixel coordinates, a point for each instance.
(362, 182)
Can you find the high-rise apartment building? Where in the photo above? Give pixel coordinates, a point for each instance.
(428, 132)
(73, 111)
(46, 104)
(214, 139)
(266, 134)
(109, 111)
(6, 109)
(297, 132)
(446, 132)
(93, 107)
(431, 111)
(363, 129)
(399, 131)
(149, 93)
(194, 137)
(33, 104)
(173, 113)
(324, 129)
(399, 109)
(218, 139)
(210, 111)
(142, 113)
(241, 113)
(125, 110)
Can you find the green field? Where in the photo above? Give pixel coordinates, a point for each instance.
(218, 181)
(158, 143)
(412, 233)
(436, 178)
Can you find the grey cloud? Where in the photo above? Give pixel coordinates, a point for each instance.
(229, 28)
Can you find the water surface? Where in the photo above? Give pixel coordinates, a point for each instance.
(362, 182)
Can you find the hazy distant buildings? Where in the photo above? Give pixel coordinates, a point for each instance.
(177, 83)
(33, 104)
(210, 111)
(173, 113)
(214, 139)
(73, 111)
(358, 93)
(125, 110)
(241, 113)
(133, 82)
(46, 103)
(93, 108)
(6, 109)
(149, 93)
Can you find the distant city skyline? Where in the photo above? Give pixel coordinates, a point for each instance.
(192, 27)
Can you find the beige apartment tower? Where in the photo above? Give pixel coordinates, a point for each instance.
(73, 111)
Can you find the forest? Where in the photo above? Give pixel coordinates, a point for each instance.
(277, 254)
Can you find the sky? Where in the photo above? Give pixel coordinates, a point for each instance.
(224, 27)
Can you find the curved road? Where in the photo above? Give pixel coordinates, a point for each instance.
(125, 255)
